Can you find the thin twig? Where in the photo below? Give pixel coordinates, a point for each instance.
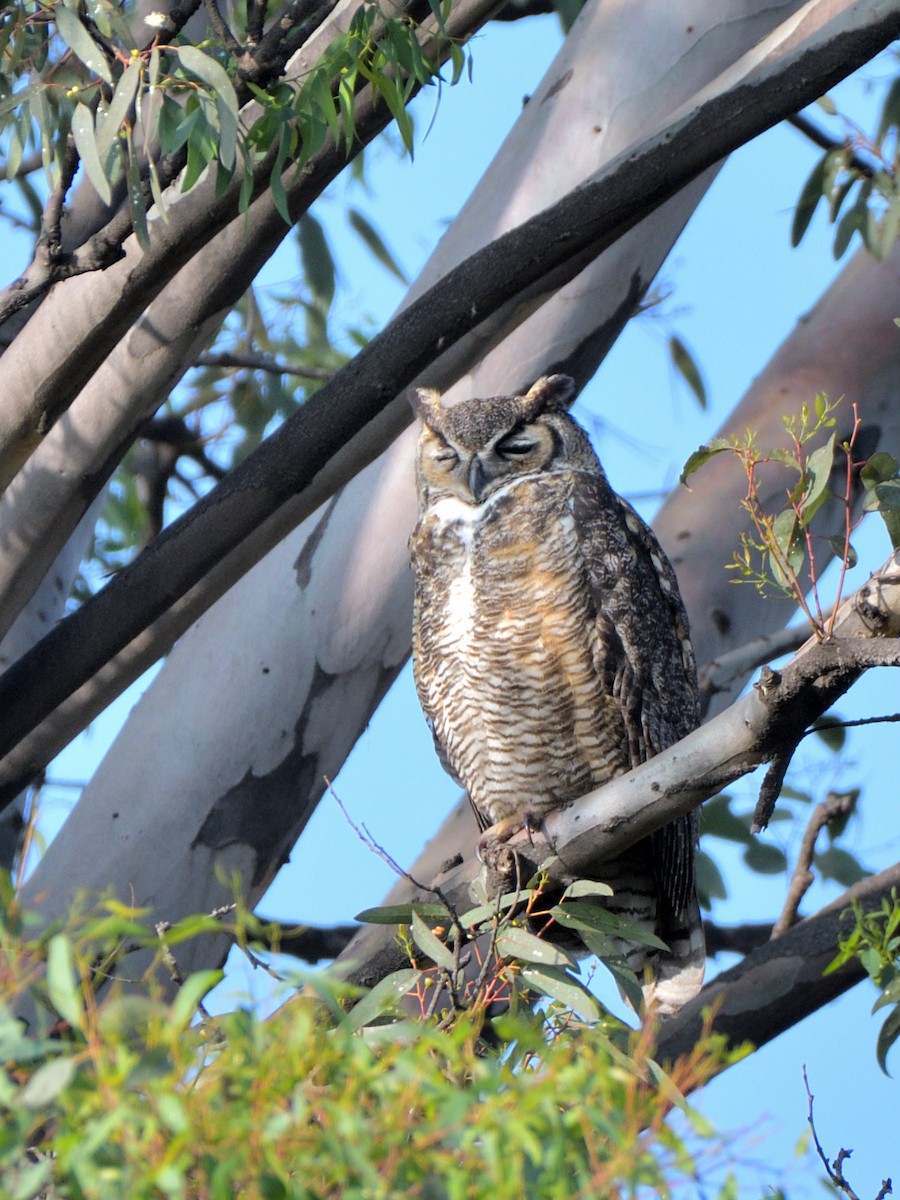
(220, 26)
(835, 804)
(835, 1171)
(826, 142)
(887, 719)
(261, 362)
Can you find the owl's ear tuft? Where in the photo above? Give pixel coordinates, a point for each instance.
(551, 393)
(426, 404)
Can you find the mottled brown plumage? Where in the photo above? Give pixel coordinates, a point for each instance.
(550, 643)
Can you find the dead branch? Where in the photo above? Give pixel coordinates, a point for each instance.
(835, 804)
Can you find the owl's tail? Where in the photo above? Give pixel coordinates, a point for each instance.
(676, 977)
(669, 978)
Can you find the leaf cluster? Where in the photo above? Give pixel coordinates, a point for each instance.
(874, 941)
(779, 555)
(858, 181)
(115, 1089)
(140, 108)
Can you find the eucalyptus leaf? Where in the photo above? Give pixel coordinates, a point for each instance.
(887, 1035)
(86, 145)
(515, 942)
(383, 999)
(63, 989)
(81, 43)
(430, 944)
(561, 986)
(47, 1082)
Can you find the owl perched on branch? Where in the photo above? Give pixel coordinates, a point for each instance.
(550, 644)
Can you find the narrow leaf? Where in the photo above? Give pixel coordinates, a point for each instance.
(110, 122)
(687, 368)
(47, 1082)
(702, 455)
(559, 985)
(586, 887)
(818, 471)
(85, 144)
(375, 243)
(515, 942)
(585, 915)
(81, 43)
(888, 1034)
(316, 259)
(191, 993)
(384, 998)
(401, 914)
(210, 72)
(430, 944)
(810, 195)
(64, 991)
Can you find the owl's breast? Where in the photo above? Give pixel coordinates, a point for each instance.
(507, 647)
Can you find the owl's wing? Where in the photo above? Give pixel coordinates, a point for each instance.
(646, 653)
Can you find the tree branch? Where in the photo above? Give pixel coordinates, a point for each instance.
(575, 841)
(530, 263)
(835, 804)
(779, 984)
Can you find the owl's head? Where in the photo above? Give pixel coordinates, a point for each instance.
(477, 446)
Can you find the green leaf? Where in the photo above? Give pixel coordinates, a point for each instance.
(493, 908)
(831, 732)
(702, 455)
(316, 259)
(191, 993)
(109, 120)
(384, 998)
(718, 820)
(827, 105)
(791, 548)
(86, 145)
(62, 988)
(136, 201)
(686, 365)
(31, 1181)
(191, 927)
(375, 243)
(888, 1034)
(818, 474)
(584, 915)
(888, 495)
(210, 72)
(810, 195)
(765, 859)
(515, 942)
(843, 551)
(839, 865)
(81, 43)
(586, 887)
(430, 944)
(561, 986)
(47, 1082)
(710, 883)
(401, 914)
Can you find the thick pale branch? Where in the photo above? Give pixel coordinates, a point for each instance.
(575, 841)
(529, 263)
(779, 984)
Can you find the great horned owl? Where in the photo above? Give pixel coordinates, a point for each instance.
(550, 643)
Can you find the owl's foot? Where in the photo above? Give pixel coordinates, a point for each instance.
(492, 848)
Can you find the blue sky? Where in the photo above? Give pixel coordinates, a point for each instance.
(734, 290)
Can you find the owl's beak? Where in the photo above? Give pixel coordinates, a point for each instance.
(477, 478)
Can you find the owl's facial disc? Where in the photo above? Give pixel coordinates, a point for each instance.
(523, 450)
